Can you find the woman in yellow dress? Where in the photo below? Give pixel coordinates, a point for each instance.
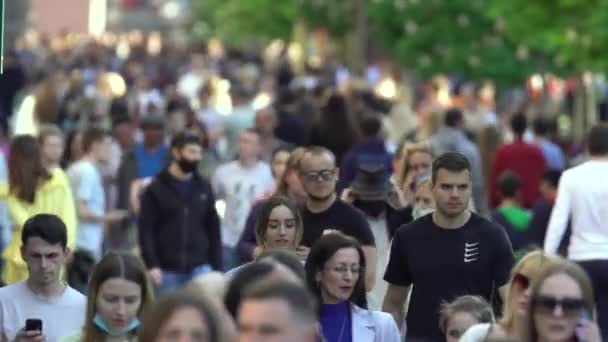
(32, 190)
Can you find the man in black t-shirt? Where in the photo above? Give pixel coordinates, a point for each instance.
(325, 212)
(444, 255)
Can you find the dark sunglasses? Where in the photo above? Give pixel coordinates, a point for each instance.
(570, 306)
(522, 281)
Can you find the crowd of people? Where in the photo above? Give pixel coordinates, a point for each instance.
(193, 193)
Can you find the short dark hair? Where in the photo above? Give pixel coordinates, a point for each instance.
(298, 298)
(597, 141)
(509, 184)
(370, 125)
(451, 161)
(519, 123)
(91, 136)
(453, 117)
(185, 138)
(552, 177)
(48, 227)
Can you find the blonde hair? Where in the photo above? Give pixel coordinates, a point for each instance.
(531, 265)
(408, 151)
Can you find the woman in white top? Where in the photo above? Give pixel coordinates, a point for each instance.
(516, 303)
(334, 273)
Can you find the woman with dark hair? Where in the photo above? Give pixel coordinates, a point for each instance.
(562, 306)
(119, 292)
(182, 316)
(278, 227)
(334, 272)
(31, 190)
(289, 186)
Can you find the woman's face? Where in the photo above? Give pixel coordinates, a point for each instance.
(419, 163)
(118, 302)
(558, 308)
(424, 197)
(52, 148)
(185, 325)
(458, 324)
(281, 229)
(279, 164)
(339, 276)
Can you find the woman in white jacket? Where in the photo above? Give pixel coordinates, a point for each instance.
(333, 272)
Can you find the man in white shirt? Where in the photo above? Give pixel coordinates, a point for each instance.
(582, 197)
(43, 295)
(239, 184)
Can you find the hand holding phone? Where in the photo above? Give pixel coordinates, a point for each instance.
(33, 325)
(586, 329)
(32, 332)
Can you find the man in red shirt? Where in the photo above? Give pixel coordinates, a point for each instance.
(525, 160)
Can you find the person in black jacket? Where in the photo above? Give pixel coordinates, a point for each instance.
(179, 229)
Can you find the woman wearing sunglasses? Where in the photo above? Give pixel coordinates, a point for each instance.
(562, 306)
(515, 310)
(334, 273)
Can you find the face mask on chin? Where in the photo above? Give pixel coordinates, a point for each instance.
(419, 212)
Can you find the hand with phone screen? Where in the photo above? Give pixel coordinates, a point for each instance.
(32, 332)
(587, 329)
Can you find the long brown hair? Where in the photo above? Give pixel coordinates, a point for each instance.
(115, 265)
(25, 169)
(261, 226)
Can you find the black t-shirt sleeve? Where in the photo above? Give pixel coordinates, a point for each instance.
(397, 270)
(358, 227)
(503, 257)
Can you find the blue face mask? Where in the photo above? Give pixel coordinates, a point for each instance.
(135, 323)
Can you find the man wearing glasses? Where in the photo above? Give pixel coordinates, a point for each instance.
(325, 212)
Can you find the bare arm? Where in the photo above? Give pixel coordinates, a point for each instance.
(370, 264)
(395, 300)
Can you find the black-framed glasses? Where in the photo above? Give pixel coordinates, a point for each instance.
(570, 306)
(324, 175)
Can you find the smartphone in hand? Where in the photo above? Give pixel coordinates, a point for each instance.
(33, 325)
(585, 316)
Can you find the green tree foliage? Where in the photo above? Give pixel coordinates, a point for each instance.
(572, 32)
(450, 36)
(240, 21)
